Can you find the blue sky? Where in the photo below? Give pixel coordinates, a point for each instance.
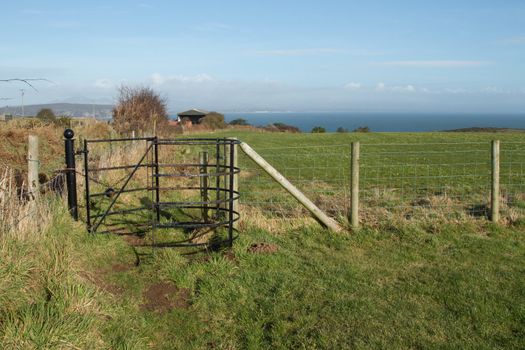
(431, 56)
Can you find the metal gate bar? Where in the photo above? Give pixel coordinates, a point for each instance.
(221, 201)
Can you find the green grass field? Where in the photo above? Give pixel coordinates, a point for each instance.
(409, 174)
(401, 284)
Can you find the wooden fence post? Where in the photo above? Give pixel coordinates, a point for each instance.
(301, 198)
(32, 167)
(354, 206)
(495, 193)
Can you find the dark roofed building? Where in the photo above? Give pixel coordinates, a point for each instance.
(194, 115)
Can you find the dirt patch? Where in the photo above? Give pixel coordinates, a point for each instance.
(230, 255)
(263, 248)
(164, 296)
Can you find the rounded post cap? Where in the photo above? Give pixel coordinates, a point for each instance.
(68, 134)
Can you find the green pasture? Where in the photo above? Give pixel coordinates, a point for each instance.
(436, 281)
(457, 286)
(412, 171)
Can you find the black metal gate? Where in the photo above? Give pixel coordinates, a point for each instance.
(179, 192)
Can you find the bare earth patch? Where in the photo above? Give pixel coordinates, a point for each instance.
(230, 256)
(263, 248)
(162, 297)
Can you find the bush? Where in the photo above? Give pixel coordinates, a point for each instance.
(341, 129)
(214, 121)
(139, 108)
(362, 129)
(282, 127)
(318, 130)
(46, 115)
(239, 121)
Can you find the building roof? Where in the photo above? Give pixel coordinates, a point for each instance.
(193, 113)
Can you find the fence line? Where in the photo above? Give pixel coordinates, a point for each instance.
(374, 182)
(401, 181)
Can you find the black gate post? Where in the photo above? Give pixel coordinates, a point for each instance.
(86, 185)
(71, 177)
(231, 190)
(157, 179)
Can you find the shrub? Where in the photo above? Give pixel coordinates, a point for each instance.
(139, 108)
(318, 130)
(46, 115)
(282, 127)
(362, 129)
(214, 121)
(239, 121)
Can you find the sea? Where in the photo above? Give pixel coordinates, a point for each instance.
(382, 122)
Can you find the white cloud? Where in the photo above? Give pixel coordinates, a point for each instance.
(104, 83)
(436, 64)
(380, 87)
(407, 88)
(398, 88)
(159, 79)
(353, 86)
(457, 91)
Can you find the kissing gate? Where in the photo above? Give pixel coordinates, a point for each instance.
(182, 191)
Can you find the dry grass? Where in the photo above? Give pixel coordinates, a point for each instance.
(18, 216)
(253, 217)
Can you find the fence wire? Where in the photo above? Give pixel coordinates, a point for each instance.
(417, 181)
(512, 175)
(322, 173)
(397, 181)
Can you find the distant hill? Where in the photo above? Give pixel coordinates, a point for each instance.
(478, 129)
(67, 109)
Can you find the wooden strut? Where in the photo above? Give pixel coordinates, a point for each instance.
(308, 204)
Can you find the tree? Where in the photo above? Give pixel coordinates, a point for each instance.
(341, 129)
(318, 130)
(239, 121)
(139, 108)
(362, 129)
(282, 127)
(46, 114)
(213, 120)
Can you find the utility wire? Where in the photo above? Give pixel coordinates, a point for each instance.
(27, 81)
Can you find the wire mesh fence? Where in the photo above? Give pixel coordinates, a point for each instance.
(405, 181)
(512, 175)
(322, 173)
(398, 181)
